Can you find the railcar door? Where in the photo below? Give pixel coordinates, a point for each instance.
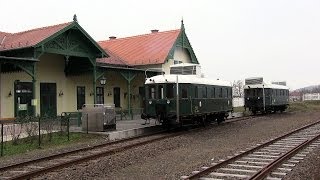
(185, 107)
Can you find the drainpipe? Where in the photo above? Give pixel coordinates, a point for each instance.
(0, 91)
(264, 99)
(177, 84)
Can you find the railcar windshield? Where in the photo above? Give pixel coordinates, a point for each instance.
(254, 92)
(160, 91)
(151, 92)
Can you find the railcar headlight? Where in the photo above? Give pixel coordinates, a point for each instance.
(168, 101)
(258, 97)
(150, 102)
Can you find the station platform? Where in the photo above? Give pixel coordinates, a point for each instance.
(127, 129)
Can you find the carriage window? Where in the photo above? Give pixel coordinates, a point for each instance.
(220, 92)
(160, 92)
(213, 92)
(196, 91)
(152, 92)
(184, 92)
(204, 92)
(170, 91)
(227, 90)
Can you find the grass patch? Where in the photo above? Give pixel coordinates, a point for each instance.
(304, 106)
(238, 109)
(241, 110)
(58, 140)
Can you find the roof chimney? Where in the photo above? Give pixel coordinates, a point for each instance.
(154, 30)
(112, 37)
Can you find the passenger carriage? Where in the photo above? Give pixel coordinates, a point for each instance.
(265, 98)
(184, 96)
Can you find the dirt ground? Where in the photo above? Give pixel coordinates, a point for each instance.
(178, 156)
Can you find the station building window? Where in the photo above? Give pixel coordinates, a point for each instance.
(100, 95)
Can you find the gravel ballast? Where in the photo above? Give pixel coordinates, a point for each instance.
(178, 156)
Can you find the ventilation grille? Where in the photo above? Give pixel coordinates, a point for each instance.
(184, 70)
(258, 80)
(283, 83)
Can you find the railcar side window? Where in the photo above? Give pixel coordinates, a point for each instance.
(152, 92)
(196, 91)
(213, 92)
(160, 92)
(220, 93)
(184, 92)
(170, 91)
(204, 92)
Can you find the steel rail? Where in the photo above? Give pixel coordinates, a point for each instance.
(223, 163)
(98, 146)
(76, 151)
(266, 170)
(36, 172)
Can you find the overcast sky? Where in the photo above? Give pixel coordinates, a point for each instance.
(232, 39)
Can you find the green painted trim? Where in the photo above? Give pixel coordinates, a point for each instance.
(67, 53)
(9, 59)
(75, 25)
(183, 41)
(94, 84)
(99, 73)
(128, 76)
(27, 65)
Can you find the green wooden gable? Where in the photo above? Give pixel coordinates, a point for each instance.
(183, 41)
(73, 40)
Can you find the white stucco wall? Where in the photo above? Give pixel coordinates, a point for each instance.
(50, 69)
(180, 54)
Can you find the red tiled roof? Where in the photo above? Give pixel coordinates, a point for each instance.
(112, 59)
(9, 41)
(145, 49)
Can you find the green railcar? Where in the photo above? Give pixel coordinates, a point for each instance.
(265, 98)
(184, 99)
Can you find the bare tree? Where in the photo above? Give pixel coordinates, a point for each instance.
(237, 88)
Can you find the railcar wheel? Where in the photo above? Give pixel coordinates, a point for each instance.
(220, 119)
(254, 112)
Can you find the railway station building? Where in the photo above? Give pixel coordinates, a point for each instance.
(58, 68)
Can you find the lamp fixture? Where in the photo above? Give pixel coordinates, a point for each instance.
(60, 93)
(92, 93)
(10, 94)
(103, 80)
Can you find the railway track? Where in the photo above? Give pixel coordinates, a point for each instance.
(271, 160)
(35, 167)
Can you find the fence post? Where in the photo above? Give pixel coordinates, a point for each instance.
(39, 139)
(87, 123)
(68, 126)
(1, 139)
